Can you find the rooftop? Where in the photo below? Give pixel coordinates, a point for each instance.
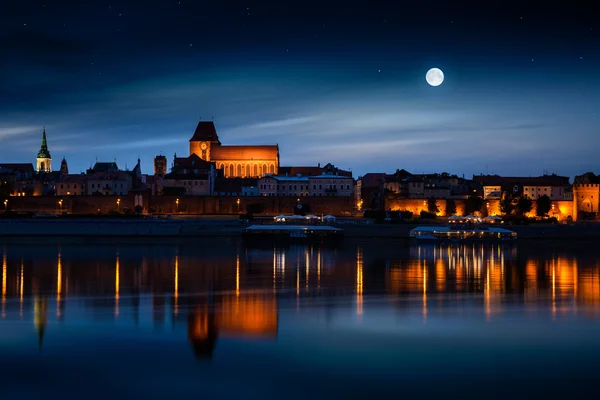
(545, 180)
(588, 177)
(205, 132)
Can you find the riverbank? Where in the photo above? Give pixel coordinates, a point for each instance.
(233, 228)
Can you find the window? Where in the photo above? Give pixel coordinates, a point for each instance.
(62, 186)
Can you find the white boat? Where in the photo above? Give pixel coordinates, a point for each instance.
(462, 233)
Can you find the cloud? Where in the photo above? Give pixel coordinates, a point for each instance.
(141, 144)
(6, 132)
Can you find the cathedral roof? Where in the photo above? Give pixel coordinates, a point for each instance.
(227, 153)
(205, 132)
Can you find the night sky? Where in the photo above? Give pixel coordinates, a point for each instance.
(340, 82)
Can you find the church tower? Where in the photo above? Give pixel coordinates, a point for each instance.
(204, 139)
(64, 168)
(44, 159)
(160, 169)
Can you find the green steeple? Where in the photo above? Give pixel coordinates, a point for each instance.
(44, 153)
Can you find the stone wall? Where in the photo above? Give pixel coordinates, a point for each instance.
(561, 210)
(181, 205)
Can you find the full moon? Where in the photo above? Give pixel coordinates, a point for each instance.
(435, 77)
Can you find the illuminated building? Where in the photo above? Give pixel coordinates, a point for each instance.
(235, 161)
(44, 159)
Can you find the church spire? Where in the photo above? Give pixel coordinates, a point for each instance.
(44, 153)
(44, 159)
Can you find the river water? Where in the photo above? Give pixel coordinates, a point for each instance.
(217, 319)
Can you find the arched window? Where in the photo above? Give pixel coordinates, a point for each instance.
(272, 169)
(256, 170)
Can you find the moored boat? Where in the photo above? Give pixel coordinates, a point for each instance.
(293, 232)
(462, 233)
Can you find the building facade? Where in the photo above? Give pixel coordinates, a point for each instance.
(586, 194)
(109, 183)
(235, 161)
(331, 185)
(556, 187)
(190, 176)
(72, 185)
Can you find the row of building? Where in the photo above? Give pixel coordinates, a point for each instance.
(213, 169)
(210, 169)
(374, 189)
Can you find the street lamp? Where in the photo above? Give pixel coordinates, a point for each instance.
(177, 204)
(238, 203)
(5, 204)
(60, 205)
(118, 205)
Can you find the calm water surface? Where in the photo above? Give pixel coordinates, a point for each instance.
(216, 319)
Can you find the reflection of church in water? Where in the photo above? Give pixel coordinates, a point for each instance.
(248, 315)
(240, 290)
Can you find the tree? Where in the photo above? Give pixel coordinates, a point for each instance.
(524, 205)
(450, 207)
(432, 206)
(474, 204)
(506, 204)
(543, 205)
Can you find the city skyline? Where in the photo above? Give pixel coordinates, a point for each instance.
(345, 86)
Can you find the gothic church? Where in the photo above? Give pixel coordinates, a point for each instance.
(235, 161)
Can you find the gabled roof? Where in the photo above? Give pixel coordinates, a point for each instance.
(205, 132)
(101, 176)
(24, 168)
(191, 163)
(105, 167)
(588, 177)
(372, 179)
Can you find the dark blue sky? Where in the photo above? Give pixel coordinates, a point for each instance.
(340, 82)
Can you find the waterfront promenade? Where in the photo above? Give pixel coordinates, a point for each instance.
(223, 226)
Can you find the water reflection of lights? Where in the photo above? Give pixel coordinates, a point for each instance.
(554, 284)
(117, 285)
(4, 267)
(359, 281)
(176, 286)
(21, 287)
(58, 282)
